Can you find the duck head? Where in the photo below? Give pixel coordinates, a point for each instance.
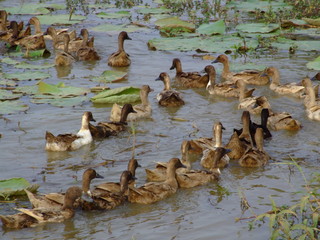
(221, 59)
(72, 194)
(126, 109)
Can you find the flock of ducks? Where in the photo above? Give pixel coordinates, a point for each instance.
(245, 145)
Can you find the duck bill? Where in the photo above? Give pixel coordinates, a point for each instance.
(158, 79)
(215, 61)
(99, 176)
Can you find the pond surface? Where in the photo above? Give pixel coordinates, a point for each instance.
(206, 212)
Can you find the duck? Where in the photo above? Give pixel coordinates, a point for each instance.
(306, 82)
(70, 142)
(248, 76)
(283, 121)
(168, 97)
(152, 192)
(13, 33)
(208, 154)
(63, 58)
(54, 201)
(57, 36)
(188, 79)
(142, 110)
(33, 217)
(85, 52)
(4, 23)
(106, 129)
(316, 77)
(255, 156)
(240, 140)
(252, 104)
(105, 200)
(120, 58)
(115, 187)
(313, 107)
(292, 89)
(223, 89)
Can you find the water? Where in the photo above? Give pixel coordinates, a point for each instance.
(206, 212)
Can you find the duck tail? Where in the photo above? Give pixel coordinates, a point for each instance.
(49, 137)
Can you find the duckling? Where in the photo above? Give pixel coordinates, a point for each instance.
(252, 104)
(239, 143)
(105, 200)
(120, 58)
(223, 89)
(306, 82)
(209, 153)
(84, 52)
(255, 157)
(63, 58)
(248, 76)
(168, 97)
(34, 217)
(54, 201)
(283, 120)
(106, 129)
(115, 187)
(155, 191)
(188, 79)
(69, 142)
(291, 89)
(143, 110)
(313, 108)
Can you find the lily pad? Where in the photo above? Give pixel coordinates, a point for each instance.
(159, 10)
(119, 14)
(174, 22)
(315, 22)
(253, 5)
(110, 76)
(315, 64)
(27, 75)
(33, 9)
(9, 83)
(118, 28)
(217, 27)
(285, 44)
(118, 95)
(9, 61)
(15, 187)
(60, 19)
(59, 102)
(9, 107)
(29, 90)
(257, 27)
(8, 95)
(25, 65)
(61, 90)
(31, 54)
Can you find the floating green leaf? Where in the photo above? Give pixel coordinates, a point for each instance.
(119, 14)
(118, 95)
(8, 107)
(217, 27)
(59, 102)
(27, 75)
(16, 186)
(315, 64)
(25, 65)
(159, 10)
(28, 9)
(61, 90)
(110, 76)
(9, 83)
(30, 90)
(174, 22)
(8, 60)
(60, 19)
(285, 44)
(253, 5)
(118, 28)
(257, 27)
(311, 21)
(8, 95)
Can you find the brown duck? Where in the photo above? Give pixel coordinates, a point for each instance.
(120, 58)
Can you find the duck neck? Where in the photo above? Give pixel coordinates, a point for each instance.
(171, 176)
(144, 98)
(178, 67)
(124, 115)
(185, 159)
(86, 185)
(264, 118)
(120, 43)
(85, 38)
(242, 94)
(218, 136)
(37, 26)
(167, 85)
(226, 68)
(276, 77)
(258, 137)
(212, 78)
(312, 97)
(66, 45)
(84, 123)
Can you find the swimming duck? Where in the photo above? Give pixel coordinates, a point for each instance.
(283, 120)
(255, 156)
(208, 154)
(252, 104)
(54, 201)
(120, 58)
(248, 76)
(188, 79)
(291, 89)
(115, 187)
(105, 200)
(155, 191)
(63, 58)
(85, 52)
(106, 129)
(168, 97)
(239, 143)
(69, 142)
(13, 34)
(223, 89)
(36, 216)
(143, 110)
(313, 108)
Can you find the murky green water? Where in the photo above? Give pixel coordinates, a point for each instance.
(206, 212)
